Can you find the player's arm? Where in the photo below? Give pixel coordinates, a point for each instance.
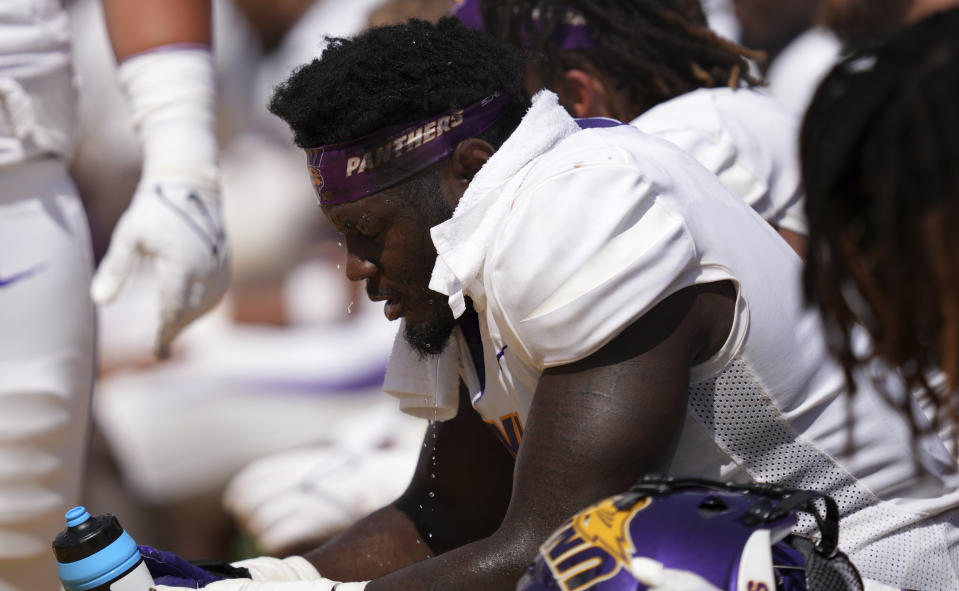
(174, 219)
(594, 427)
(796, 241)
(458, 494)
(138, 26)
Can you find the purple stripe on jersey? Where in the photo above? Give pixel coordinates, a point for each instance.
(469, 324)
(170, 47)
(7, 281)
(348, 171)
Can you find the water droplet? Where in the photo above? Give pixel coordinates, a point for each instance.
(432, 494)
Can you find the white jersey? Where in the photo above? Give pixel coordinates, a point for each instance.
(796, 72)
(748, 139)
(37, 92)
(566, 237)
(721, 17)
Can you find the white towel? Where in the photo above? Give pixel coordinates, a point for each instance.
(462, 240)
(427, 387)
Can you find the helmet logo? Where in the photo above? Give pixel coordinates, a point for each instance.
(579, 553)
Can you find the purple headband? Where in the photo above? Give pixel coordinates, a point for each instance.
(348, 171)
(572, 34)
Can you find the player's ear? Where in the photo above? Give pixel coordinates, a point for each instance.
(469, 156)
(584, 94)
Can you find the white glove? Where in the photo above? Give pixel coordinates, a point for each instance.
(267, 568)
(294, 573)
(174, 217)
(307, 494)
(248, 585)
(654, 575)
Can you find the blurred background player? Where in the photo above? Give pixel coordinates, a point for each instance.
(865, 23)
(803, 39)
(880, 161)
(657, 64)
(798, 51)
(46, 315)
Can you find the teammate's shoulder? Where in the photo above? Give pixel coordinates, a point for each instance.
(751, 100)
(616, 145)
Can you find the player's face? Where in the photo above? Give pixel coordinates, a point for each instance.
(389, 246)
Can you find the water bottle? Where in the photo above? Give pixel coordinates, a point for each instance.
(95, 554)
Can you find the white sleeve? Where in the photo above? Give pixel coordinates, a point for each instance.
(582, 256)
(694, 123)
(744, 137)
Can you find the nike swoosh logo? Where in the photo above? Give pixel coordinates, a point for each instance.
(7, 281)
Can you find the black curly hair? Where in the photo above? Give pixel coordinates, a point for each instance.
(880, 163)
(650, 50)
(398, 74)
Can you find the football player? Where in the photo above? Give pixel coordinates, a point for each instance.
(657, 65)
(879, 155)
(582, 304)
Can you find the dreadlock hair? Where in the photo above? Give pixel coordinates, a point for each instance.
(398, 74)
(880, 163)
(649, 50)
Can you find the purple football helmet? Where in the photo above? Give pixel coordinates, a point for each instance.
(736, 537)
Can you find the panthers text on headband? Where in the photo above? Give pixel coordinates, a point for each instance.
(350, 170)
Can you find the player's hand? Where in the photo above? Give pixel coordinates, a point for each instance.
(294, 573)
(168, 568)
(248, 585)
(179, 229)
(174, 219)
